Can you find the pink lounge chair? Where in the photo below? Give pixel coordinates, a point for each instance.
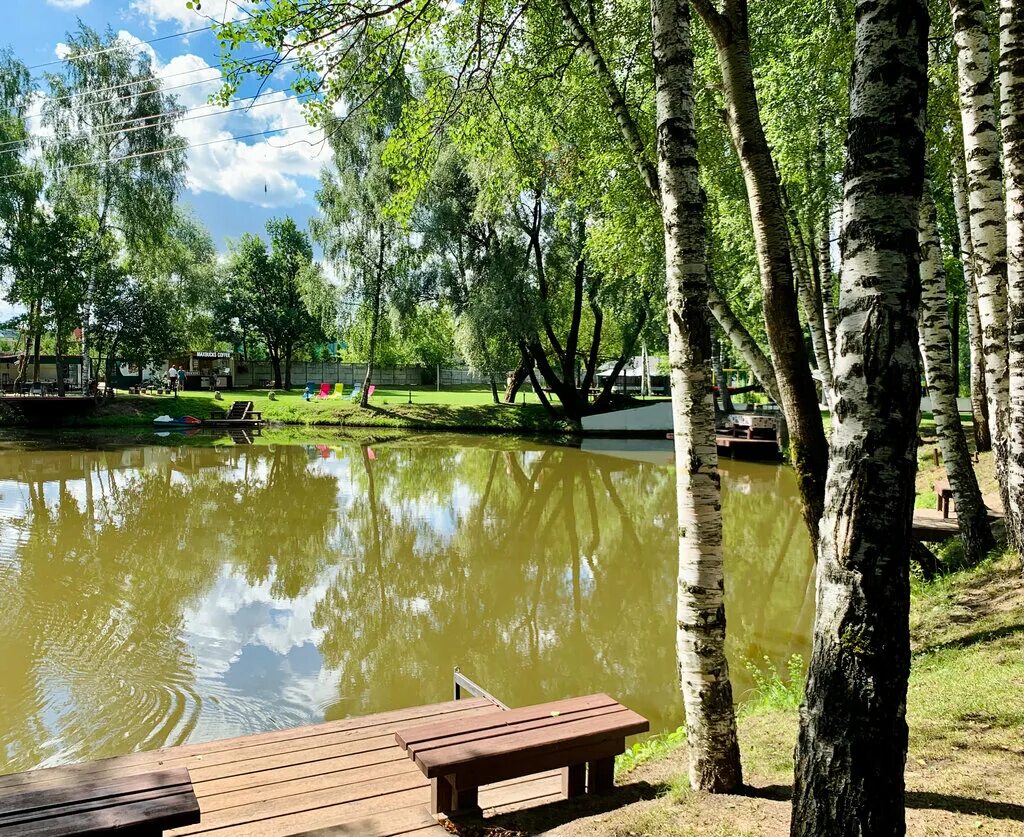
(325, 391)
(369, 391)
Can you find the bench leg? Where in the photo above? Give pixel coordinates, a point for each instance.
(602, 775)
(446, 799)
(574, 780)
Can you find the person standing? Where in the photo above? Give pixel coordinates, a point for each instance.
(172, 380)
(181, 379)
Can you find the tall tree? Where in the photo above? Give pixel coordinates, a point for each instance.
(980, 119)
(113, 154)
(1011, 86)
(707, 691)
(975, 530)
(268, 292)
(728, 26)
(979, 399)
(852, 746)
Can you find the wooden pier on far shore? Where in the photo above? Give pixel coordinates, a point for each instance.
(337, 778)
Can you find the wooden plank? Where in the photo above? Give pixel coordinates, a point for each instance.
(162, 812)
(266, 792)
(413, 821)
(511, 731)
(298, 803)
(488, 771)
(417, 735)
(217, 784)
(436, 762)
(275, 822)
(69, 795)
(240, 747)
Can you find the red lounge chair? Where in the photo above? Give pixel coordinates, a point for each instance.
(325, 391)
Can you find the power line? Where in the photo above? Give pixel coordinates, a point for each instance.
(151, 120)
(121, 45)
(172, 149)
(152, 77)
(160, 89)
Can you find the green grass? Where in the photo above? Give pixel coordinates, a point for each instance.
(462, 409)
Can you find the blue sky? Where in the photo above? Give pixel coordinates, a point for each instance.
(233, 186)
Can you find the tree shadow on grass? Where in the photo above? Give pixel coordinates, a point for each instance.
(975, 638)
(920, 800)
(553, 814)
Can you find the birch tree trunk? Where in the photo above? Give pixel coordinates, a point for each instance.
(852, 747)
(823, 257)
(743, 342)
(813, 307)
(799, 399)
(700, 635)
(976, 83)
(1011, 86)
(720, 379)
(979, 398)
(975, 530)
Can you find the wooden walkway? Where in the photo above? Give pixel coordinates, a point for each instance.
(337, 778)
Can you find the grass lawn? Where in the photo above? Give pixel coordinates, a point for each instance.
(965, 766)
(453, 409)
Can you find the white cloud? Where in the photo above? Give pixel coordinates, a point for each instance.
(69, 4)
(161, 11)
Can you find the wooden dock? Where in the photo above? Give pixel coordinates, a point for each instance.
(337, 778)
(738, 447)
(931, 526)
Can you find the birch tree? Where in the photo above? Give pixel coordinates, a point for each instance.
(979, 398)
(728, 26)
(975, 530)
(852, 745)
(976, 84)
(1011, 86)
(703, 670)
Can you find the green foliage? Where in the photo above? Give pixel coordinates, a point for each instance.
(772, 691)
(649, 749)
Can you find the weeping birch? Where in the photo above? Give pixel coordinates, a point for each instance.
(975, 530)
(1011, 86)
(979, 400)
(852, 746)
(976, 84)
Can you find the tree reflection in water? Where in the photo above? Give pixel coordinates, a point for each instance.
(157, 595)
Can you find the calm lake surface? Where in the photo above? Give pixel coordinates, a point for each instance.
(155, 594)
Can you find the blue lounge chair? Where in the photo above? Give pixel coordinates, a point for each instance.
(311, 390)
(356, 392)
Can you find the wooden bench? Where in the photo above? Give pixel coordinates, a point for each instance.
(582, 736)
(50, 803)
(943, 497)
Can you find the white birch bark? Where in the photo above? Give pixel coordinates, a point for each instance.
(851, 751)
(975, 530)
(823, 254)
(743, 342)
(976, 84)
(703, 669)
(813, 307)
(979, 400)
(727, 22)
(1011, 85)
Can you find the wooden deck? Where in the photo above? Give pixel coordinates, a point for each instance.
(930, 525)
(337, 778)
(737, 447)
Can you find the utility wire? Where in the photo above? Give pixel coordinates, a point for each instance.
(122, 45)
(171, 149)
(160, 89)
(153, 119)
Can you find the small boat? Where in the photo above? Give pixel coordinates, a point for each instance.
(180, 421)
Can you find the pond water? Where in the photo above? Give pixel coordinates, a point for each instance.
(160, 593)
